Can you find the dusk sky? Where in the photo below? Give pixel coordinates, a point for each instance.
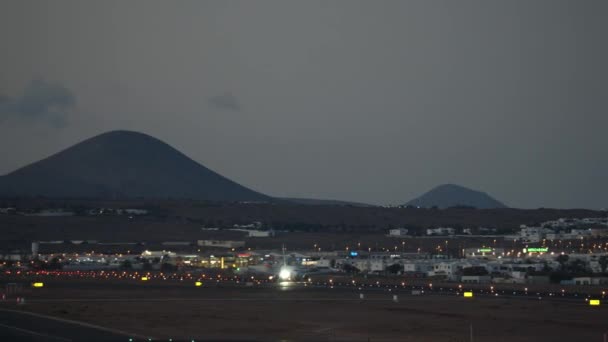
(369, 101)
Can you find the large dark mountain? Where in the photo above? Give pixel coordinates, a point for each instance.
(123, 164)
(451, 195)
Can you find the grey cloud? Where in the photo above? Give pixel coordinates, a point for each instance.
(225, 101)
(40, 100)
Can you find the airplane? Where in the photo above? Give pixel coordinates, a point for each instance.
(281, 271)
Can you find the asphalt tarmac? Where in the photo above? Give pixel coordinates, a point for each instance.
(22, 327)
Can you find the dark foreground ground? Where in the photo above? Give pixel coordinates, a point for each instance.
(22, 326)
(179, 310)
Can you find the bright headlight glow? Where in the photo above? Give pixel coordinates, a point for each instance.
(284, 274)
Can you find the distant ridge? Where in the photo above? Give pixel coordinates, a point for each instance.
(312, 201)
(451, 195)
(123, 164)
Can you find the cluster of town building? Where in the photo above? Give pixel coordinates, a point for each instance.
(252, 230)
(486, 265)
(50, 212)
(528, 264)
(563, 229)
(478, 265)
(560, 229)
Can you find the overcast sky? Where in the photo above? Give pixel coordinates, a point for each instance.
(371, 101)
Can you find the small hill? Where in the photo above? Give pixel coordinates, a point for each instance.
(123, 164)
(451, 195)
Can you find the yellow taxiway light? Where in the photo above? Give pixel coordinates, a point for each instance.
(198, 283)
(144, 278)
(594, 302)
(39, 284)
(468, 294)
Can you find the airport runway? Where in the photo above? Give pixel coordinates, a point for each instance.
(22, 327)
